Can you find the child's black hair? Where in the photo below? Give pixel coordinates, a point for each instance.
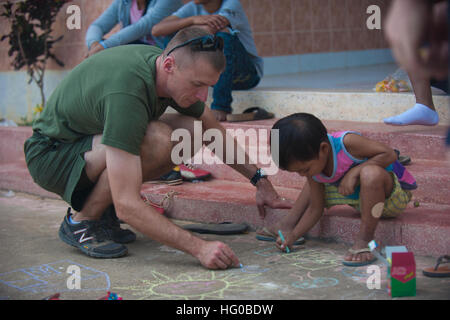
(300, 136)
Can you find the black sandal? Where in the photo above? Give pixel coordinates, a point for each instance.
(224, 228)
(250, 114)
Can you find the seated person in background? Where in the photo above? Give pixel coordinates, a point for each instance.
(137, 18)
(227, 19)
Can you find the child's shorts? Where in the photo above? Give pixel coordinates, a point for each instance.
(393, 206)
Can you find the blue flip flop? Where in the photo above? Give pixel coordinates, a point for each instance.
(359, 263)
(272, 237)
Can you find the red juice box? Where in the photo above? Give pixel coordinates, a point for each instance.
(402, 275)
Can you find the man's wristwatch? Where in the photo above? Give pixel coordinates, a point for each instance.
(258, 175)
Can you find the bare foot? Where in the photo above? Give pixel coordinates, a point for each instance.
(220, 115)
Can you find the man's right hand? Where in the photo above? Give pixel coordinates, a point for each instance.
(217, 255)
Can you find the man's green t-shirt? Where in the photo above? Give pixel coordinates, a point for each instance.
(112, 93)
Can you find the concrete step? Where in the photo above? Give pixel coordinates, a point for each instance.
(345, 103)
(424, 230)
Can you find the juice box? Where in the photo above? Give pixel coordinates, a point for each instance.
(401, 272)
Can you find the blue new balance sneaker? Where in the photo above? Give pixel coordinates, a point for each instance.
(90, 237)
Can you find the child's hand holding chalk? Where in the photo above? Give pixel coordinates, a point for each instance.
(283, 244)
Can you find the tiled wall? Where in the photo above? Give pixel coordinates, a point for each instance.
(280, 27)
(286, 27)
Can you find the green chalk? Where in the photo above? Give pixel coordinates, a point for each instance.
(282, 239)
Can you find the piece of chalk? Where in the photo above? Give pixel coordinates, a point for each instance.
(282, 239)
(373, 246)
(240, 265)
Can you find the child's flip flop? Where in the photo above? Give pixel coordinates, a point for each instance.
(358, 263)
(269, 236)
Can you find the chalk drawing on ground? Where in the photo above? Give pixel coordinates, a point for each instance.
(253, 269)
(52, 277)
(313, 259)
(197, 286)
(314, 282)
(268, 252)
(306, 259)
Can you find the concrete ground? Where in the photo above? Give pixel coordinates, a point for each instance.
(35, 262)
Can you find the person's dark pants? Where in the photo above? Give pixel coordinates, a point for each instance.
(240, 73)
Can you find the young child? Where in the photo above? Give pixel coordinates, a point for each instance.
(341, 168)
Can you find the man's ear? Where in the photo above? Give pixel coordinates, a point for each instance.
(169, 64)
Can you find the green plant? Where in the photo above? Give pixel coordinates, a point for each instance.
(30, 38)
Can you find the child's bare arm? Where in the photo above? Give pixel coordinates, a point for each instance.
(299, 207)
(360, 147)
(169, 25)
(172, 24)
(313, 210)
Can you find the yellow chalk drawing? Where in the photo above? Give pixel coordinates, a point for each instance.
(312, 260)
(200, 286)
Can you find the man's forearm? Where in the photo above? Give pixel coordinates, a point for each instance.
(150, 223)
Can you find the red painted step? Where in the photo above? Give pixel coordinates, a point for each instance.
(11, 143)
(433, 179)
(419, 142)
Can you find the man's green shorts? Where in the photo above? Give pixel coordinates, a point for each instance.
(59, 167)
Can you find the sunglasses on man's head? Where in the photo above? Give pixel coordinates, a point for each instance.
(203, 43)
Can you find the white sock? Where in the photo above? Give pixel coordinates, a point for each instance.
(419, 114)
